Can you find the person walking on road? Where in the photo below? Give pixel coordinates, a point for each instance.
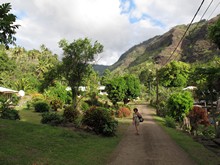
(136, 121)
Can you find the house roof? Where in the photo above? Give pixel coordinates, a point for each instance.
(7, 90)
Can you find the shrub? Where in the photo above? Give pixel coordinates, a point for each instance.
(123, 112)
(10, 114)
(170, 122)
(162, 109)
(209, 132)
(41, 106)
(84, 106)
(70, 114)
(55, 104)
(51, 118)
(100, 120)
(179, 104)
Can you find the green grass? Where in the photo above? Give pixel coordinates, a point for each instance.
(30, 116)
(25, 143)
(197, 151)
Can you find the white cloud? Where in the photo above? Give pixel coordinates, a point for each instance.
(107, 21)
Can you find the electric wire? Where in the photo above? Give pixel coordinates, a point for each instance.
(184, 34)
(201, 18)
(213, 10)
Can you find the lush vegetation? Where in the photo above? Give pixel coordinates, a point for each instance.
(123, 88)
(27, 143)
(66, 93)
(7, 26)
(197, 151)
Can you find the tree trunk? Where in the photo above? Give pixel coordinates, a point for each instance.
(74, 97)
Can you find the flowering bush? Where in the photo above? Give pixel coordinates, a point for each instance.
(123, 112)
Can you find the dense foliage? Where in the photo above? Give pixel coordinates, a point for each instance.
(100, 120)
(51, 118)
(174, 74)
(116, 89)
(70, 114)
(10, 114)
(77, 56)
(41, 106)
(214, 33)
(7, 26)
(179, 105)
(123, 88)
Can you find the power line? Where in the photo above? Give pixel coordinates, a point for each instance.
(201, 18)
(197, 24)
(214, 10)
(206, 10)
(184, 33)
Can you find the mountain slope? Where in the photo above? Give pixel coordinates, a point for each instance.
(195, 46)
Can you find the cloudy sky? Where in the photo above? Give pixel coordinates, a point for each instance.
(116, 24)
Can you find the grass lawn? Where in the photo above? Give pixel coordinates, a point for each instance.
(197, 151)
(26, 143)
(30, 116)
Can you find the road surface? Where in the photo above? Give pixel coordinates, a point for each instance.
(152, 147)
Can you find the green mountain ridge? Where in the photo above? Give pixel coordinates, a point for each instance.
(194, 47)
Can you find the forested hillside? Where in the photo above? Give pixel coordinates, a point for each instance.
(25, 69)
(195, 46)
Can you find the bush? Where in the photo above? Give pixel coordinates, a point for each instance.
(55, 104)
(100, 120)
(123, 112)
(162, 109)
(70, 114)
(51, 118)
(179, 104)
(41, 106)
(209, 132)
(10, 114)
(84, 106)
(170, 122)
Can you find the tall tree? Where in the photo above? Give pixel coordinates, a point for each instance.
(7, 27)
(106, 77)
(116, 89)
(77, 56)
(123, 88)
(175, 74)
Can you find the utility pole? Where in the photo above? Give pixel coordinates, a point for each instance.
(157, 90)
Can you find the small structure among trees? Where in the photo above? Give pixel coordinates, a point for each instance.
(6, 92)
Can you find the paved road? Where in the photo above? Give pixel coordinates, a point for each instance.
(152, 147)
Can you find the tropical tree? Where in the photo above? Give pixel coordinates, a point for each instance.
(106, 76)
(7, 27)
(91, 81)
(123, 88)
(116, 89)
(133, 87)
(147, 78)
(6, 64)
(77, 56)
(175, 74)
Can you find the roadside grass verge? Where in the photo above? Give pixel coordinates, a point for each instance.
(197, 151)
(25, 143)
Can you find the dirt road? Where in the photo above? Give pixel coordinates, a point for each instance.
(152, 147)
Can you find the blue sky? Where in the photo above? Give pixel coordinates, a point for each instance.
(127, 6)
(117, 24)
